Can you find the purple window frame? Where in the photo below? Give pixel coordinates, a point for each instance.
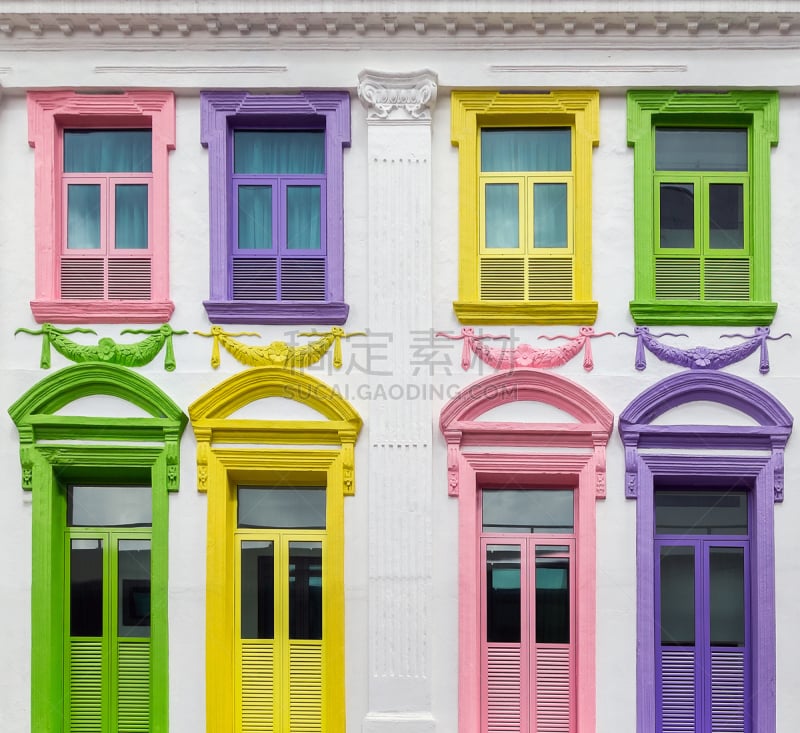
(764, 471)
(225, 111)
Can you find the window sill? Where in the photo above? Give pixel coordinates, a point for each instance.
(101, 311)
(709, 313)
(555, 312)
(254, 311)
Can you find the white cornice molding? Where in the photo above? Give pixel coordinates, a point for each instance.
(453, 21)
(397, 97)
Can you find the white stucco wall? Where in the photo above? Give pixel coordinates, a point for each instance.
(612, 62)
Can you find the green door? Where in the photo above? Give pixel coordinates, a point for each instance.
(107, 617)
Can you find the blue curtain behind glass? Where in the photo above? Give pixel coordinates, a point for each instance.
(130, 212)
(108, 151)
(255, 217)
(526, 149)
(265, 152)
(303, 217)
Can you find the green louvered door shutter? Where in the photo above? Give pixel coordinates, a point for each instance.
(107, 654)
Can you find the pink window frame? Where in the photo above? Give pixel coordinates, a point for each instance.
(50, 112)
(476, 458)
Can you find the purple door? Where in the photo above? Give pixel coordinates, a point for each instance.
(702, 607)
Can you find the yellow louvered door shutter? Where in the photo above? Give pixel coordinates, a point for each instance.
(305, 686)
(257, 686)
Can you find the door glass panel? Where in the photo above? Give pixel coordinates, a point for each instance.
(550, 215)
(83, 216)
(133, 588)
(502, 215)
(130, 216)
(526, 149)
(258, 590)
(528, 511)
(255, 217)
(109, 506)
(279, 152)
(677, 596)
(108, 151)
(676, 207)
(726, 216)
(305, 590)
(701, 512)
(726, 595)
(281, 507)
(86, 587)
(303, 217)
(552, 597)
(701, 149)
(503, 594)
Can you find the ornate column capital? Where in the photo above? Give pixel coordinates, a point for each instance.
(397, 97)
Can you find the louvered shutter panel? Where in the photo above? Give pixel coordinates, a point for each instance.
(257, 687)
(554, 698)
(85, 686)
(502, 278)
(677, 279)
(727, 692)
(83, 278)
(677, 691)
(305, 687)
(129, 279)
(255, 278)
(303, 278)
(133, 686)
(727, 279)
(550, 278)
(503, 688)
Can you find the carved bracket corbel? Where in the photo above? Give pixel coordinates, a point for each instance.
(453, 458)
(600, 465)
(631, 472)
(203, 436)
(777, 462)
(403, 97)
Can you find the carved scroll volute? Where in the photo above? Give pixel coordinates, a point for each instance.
(203, 436)
(600, 465)
(631, 472)
(453, 456)
(26, 454)
(348, 466)
(777, 462)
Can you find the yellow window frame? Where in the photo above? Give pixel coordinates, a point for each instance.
(472, 111)
(232, 451)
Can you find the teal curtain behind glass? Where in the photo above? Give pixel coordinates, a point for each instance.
(255, 217)
(527, 149)
(130, 216)
(83, 216)
(108, 151)
(549, 215)
(290, 152)
(303, 217)
(502, 215)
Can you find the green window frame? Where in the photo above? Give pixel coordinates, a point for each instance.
(57, 451)
(696, 278)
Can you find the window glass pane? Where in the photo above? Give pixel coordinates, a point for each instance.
(303, 217)
(258, 590)
(305, 590)
(280, 507)
(109, 506)
(676, 207)
(108, 151)
(279, 152)
(527, 149)
(552, 597)
(528, 510)
(701, 512)
(83, 216)
(502, 215)
(549, 214)
(726, 595)
(134, 588)
(503, 593)
(726, 216)
(86, 587)
(677, 596)
(255, 217)
(681, 149)
(130, 216)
